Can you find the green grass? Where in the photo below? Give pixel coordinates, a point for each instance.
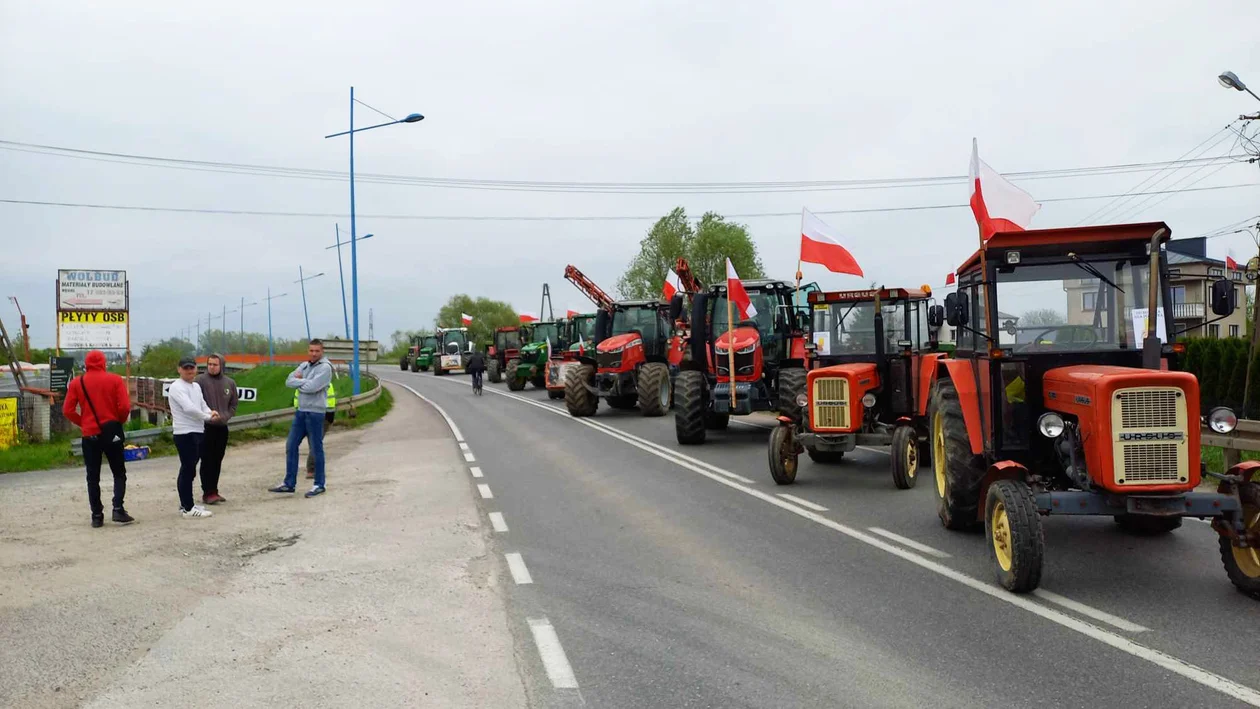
(273, 394)
(1215, 458)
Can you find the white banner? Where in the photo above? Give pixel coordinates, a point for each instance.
(450, 362)
(1139, 325)
(242, 393)
(91, 290)
(92, 330)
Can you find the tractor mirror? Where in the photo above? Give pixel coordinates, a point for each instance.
(936, 316)
(956, 309)
(802, 321)
(1224, 297)
(675, 307)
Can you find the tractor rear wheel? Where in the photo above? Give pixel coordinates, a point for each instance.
(905, 457)
(1013, 529)
(958, 471)
(825, 456)
(717, 422)
(403, 365)
(1147, 525)
(579, 397)
(514, 382)
(493, 373)
(691, 411)
(415, 364)
(1243, 565)
(653, 388)
(783, 456)
(791, 383)
(624, 402)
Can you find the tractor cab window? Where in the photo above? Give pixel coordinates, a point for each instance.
(849, 328)
(1042, 307)
(584, 328)
(643, 319)
(767, 305)
(430, 342)
(544, 332)
(454, 342)
(510, 340)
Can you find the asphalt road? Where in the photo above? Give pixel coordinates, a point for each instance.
(678, 576)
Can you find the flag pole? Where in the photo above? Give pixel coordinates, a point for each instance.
(796, 297)
(730, 341)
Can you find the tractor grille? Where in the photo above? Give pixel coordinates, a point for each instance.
(1150, 436)
(608, 361)
(830, 401)
(744, 363)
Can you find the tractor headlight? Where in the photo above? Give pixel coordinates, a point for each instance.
(802, 399)
(747, 350)
(615, 350)
(868, 400)
(1222, 419)
(1050, 424)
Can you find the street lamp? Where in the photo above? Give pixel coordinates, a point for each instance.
(303, 279)
(1230, 80)
(342, 273)
(271, 347)
(243, 306)
(354, 252)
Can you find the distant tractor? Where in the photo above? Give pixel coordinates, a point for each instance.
(409, 355)
(506, 346)
(769, 359)
(873, 363)
(630, 363)
(1027, 422)
(530, 365)
(419, 356)
(577, 335)
(453, 350)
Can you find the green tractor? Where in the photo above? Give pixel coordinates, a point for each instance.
(421, 354)
(538, 339)
(452, 351)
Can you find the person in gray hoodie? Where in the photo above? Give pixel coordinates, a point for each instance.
(311, 379)
(219, 391)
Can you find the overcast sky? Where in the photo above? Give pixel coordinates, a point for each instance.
(581, 91)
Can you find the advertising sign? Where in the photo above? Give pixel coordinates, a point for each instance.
(450, 361)
(91, 290)
(1139, 325)
(92, 330)
(8, 422)
(60, 373)
(243, 394)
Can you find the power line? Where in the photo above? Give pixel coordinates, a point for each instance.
(566, 218)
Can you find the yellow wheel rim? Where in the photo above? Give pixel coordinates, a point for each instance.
(912, 458)
(789, 460)
(1001, 527)
(1248, 559)
(938, 451)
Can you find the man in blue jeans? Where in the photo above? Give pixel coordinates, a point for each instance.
(311, 379)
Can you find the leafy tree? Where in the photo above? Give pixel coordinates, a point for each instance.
(706, 247)
(1209, 378)
(487, 315)
(158, 360)
(1237, 373)
(1223, 396)
(1042, 317)
(400, 341)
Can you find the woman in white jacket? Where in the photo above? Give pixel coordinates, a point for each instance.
(189, 414)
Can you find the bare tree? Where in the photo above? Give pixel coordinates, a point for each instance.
(1042, 317)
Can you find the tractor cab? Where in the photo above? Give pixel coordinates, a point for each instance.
(580, 333)
(772, 337)
(453, 350)
(505, 346)
(1059, 399)
(638, 331)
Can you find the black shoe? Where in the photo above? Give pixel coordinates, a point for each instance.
(98, 520)
(281, 488)
(121, 516)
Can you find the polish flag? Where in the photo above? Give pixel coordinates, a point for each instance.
(949, 280)
(820, 244)
(673, 284)
(997, 204)
(738, 296)
(528, 317)
(1230, 263)
(571, 314)
(466, 318)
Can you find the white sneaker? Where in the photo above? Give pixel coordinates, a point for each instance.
(197, 511)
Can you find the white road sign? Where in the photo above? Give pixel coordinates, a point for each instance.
(92, 330)
(242, 393)
(91, 290)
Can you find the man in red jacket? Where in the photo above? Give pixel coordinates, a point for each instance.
(92, 399)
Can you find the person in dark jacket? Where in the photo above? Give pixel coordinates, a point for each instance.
(219, 392)
(476, 367)
(94, 398)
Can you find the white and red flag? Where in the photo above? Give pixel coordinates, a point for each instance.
(673, 284)
(466, 318)
(949, 279)
(1230, 263)
(820, 244)
(528, 317)
(571, 314)
(997, 204)
(738, 296)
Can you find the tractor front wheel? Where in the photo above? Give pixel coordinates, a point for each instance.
(791, 383)
(403, 365)
(493, 373)
(1147, 525)
(783, 455)
(905, 457)
(579, 397)
(414, 365)
(692, 408)
(515, 383)
(653, 389)
(825, 456)
(1243, 564)
(1013, 529)
(957, 470)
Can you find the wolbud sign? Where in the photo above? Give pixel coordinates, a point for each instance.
(91, 290)
(92, 310)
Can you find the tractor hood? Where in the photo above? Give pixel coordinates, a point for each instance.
(617, 343)
(1083, 386)
(745, 337)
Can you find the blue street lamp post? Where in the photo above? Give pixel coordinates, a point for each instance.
(243, 306)
(303, 279)
(354, 252)
(271, 346)
(345, 312)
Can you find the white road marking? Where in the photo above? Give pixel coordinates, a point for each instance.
(476, 472)
(463, 446)
(906, 541)
(1090, 611)
(559, 671)
(803, 503)
(459, 437)
(485, 492)
(469, 458)
(497, 522)
(516, 565)
(875, 450)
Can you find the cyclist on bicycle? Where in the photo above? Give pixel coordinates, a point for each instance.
(476, 367)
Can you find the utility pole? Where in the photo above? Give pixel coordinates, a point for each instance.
(25, 328)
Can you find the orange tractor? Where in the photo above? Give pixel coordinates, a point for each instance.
(1078, 414)
(873, 362)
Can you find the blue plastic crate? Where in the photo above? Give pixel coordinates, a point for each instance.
(136, 453)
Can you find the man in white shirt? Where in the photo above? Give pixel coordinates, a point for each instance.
(189, 414)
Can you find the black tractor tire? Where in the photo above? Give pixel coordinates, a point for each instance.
(654, 389)
(691, 410)
(825, 456)
(624, 403)
(514, 382)
(783, 456)
(1243, 565)
(1147, 525)
(415, 366)
(493, 373)
(403, 365)
(791, 382)
(717, 422)
(438, 371)
(905, 457)
(1013, 530)
(578, 397)
(958, 472)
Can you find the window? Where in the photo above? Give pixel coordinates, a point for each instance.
(1087, 301)
(1236, 275)
(1216, 272)
(1214, 331)
(1233, 331)
(1174, 272)
(1179, 295)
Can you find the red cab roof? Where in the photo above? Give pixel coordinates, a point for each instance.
(1069, 235)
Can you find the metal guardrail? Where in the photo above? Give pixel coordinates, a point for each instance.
(240, 423)
(1246, 437)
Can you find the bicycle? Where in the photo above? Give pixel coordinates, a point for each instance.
(476, 383)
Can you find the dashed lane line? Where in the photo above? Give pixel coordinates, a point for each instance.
(485, 492)
(497, 522)
(906, 541)
(1109, 619)
(516, 565)
(803, 502)
(476, 472)
(555, 662)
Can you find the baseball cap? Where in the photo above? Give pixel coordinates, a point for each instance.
(187, 362)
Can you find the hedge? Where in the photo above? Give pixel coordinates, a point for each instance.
(1221, 367)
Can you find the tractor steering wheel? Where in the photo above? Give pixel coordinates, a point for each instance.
(1037, 345)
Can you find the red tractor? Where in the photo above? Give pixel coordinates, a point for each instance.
(630, 364)
(1082, 417)
(874, 362)
(506, 346)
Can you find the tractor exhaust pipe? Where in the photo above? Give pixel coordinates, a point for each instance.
(1152, 349)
